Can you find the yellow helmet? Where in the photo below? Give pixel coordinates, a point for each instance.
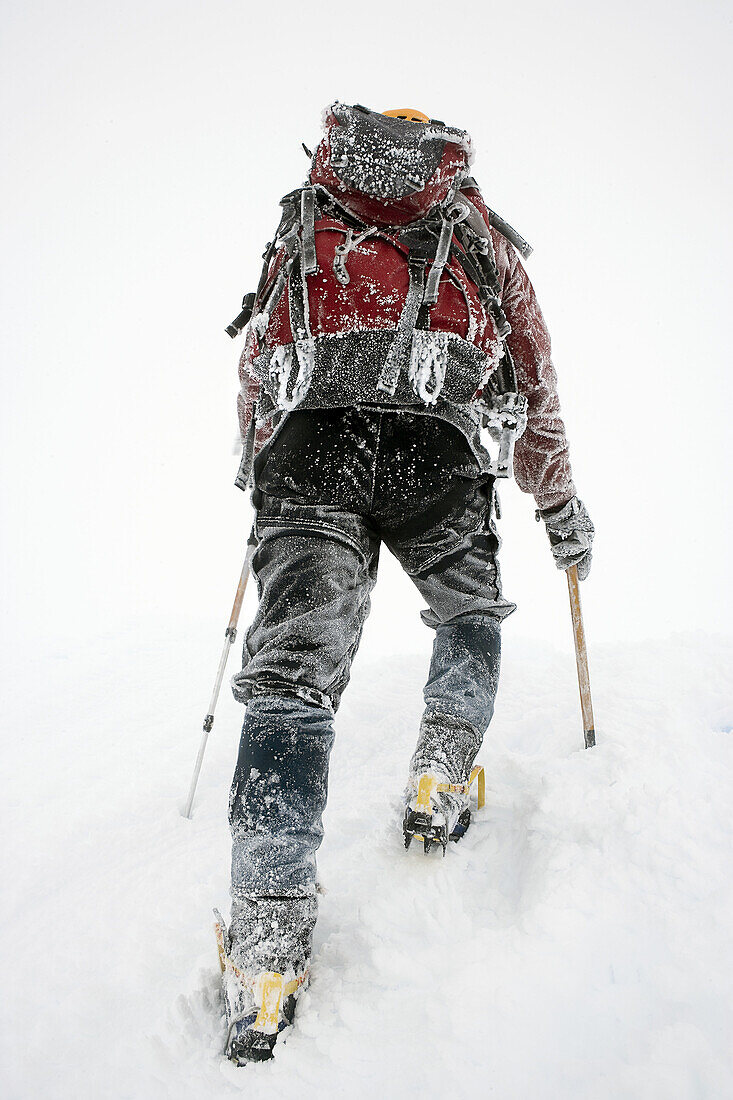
(409, 114)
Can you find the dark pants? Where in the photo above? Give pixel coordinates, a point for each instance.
(333, 486)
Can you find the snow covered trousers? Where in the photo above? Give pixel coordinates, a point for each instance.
(334, 485)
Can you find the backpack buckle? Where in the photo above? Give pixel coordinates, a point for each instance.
(505, 418)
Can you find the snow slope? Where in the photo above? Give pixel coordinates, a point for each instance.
(577, 943)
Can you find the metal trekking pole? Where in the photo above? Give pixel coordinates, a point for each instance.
(230, 635)
(581, 657)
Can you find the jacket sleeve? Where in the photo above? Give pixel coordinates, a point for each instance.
(248, 397)
(541, 457)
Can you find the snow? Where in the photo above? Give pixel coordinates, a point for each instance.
(577, 942)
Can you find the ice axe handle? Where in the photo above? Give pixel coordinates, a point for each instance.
(581, 657)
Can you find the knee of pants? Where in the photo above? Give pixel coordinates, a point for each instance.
(281, 774)
(278, 795)
(464, 670)
(314, 587)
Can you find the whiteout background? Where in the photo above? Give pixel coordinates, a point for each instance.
(146, 150)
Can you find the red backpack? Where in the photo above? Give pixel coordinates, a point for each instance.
(381, 286)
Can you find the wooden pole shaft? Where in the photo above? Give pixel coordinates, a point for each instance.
(237, 606)
(581, 657)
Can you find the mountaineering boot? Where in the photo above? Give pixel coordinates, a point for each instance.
(436, 810)
(437, 796)
(264, 956)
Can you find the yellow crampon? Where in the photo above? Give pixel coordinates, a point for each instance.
(429, 785)
(477, 772)
(427, 788)
(418, 820)
(268, 988)
(220, 933)
(268, 991)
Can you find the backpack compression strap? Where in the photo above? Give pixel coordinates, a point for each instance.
(477, 223)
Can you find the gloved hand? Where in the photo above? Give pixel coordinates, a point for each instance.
(571, 535)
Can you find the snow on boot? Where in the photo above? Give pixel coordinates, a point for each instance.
(438, 811)
(264, 959)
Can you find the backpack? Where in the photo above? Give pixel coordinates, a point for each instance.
(380, 286)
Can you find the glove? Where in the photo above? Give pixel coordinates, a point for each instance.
(570, 532)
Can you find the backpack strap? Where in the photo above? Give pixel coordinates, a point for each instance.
(451, 216)
(308, 238)
(523, 248)
(504, 409)
(405, 327)
(478, 261)
(266, 297)
(298, 301)
(477, 223)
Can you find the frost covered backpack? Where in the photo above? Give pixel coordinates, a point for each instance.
(380, 286)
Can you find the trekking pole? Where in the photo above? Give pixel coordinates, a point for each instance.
(230, 635)
(581, 657)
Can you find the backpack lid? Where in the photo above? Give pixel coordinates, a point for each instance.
(392, 169)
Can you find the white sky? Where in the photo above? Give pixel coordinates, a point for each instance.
(147, 148)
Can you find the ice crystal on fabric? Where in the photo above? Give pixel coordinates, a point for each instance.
(291, 390)
(428, 359)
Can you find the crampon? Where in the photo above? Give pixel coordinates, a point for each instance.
(259, 1006)
(438, 811)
